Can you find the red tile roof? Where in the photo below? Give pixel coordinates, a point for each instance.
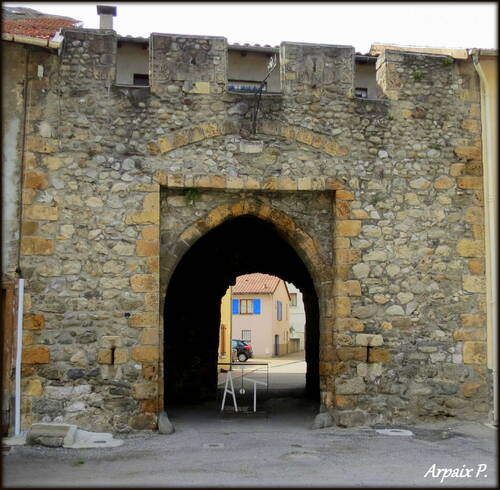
(256, 283)
(39, 27)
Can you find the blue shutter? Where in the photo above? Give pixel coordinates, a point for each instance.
(235, 306)
(256, 306)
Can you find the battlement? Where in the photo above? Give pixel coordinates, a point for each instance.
(169, 63)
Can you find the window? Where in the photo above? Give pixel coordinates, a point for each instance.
(246, 335)
(361, 93)
(141, 79)
(293, 298)
(279, 310)
(246, 307)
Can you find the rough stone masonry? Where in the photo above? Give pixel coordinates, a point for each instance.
(381, 199)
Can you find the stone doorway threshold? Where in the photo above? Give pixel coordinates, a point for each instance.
(62, 435)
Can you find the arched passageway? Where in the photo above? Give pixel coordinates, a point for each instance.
(238, 246)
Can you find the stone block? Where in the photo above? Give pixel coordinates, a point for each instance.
(474, 352)
(347, 288)
(104, 356)
(146, 319)
(36, 355)
(34, 322)
(109, 341)
(121, 356)
(474, 284)
(200, 88)
(352, 353)
(470, 334)
(149, 336)
(39, 144)
(152, 202)
(372, 340)
(35, 180)
(457, 169)
(351, 418)
(347, 256)
(145, 248)
(325, 368)
(468, 152)
(470, 389)
(352, 386)
(475, 215)
(378, 355)
(345, 401)
(342, 210)
(444, 183)
(470, 248)
(468, 182)
(164, 424)
(142, 218)
(251, 146)
(145, 353)
(342, 306)
(144, 283)
(341, 242)
(476, 267)
(364, 311)
(348, 228)
(51, 434)
(323, 420)
(351, 324)
(32, 387)
(332, 184)
(344, 195)
(473, 320)
(143, 421)
(41, 212)
(144, 390)
(165, 143)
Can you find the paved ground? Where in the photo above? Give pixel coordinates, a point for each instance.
(274, 448)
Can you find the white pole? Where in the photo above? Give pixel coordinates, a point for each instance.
(19, 353)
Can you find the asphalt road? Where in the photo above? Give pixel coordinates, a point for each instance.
(273, 448)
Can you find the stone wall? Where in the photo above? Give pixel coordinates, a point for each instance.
(397, 261)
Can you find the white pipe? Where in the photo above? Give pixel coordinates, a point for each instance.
(490, 204)
(19, 353)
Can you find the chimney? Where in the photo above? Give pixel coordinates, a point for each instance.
(106, 14)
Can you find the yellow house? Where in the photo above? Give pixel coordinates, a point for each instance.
(225, 330)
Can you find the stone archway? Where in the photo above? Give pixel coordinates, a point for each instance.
(242, 238)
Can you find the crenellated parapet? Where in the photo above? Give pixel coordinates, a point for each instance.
(307, 68)
(408, 75)
(88, 57)
(190, 64)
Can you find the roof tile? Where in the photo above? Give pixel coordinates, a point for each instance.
(256, 283)
(39, 27)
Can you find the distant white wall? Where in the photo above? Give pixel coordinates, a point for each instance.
(297, 315)
(131, 58)
(364, 76)
(252, 67)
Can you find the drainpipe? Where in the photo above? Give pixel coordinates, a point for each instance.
(491, 204)
(19, 352)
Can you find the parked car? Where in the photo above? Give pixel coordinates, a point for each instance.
(243, 350)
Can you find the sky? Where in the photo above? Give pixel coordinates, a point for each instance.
(358, 24)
